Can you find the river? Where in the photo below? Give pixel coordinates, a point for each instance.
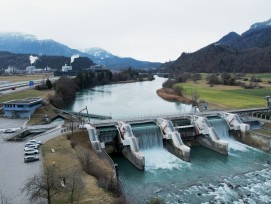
(243, 176)
(119, 100)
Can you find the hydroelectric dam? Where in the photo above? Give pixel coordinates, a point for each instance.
(177, 133)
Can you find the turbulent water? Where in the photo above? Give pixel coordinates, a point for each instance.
(243, 176)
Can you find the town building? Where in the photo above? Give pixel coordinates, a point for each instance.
(11, 70)
(30, 69)
(66, 68)
(21, 108)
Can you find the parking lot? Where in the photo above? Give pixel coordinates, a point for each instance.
(6, 123)
(13, 171)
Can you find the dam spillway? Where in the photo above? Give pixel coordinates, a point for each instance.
(208, 178)
(149, 136)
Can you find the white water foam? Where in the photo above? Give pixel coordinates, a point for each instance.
(252, 187)
(160, 158)
(222, 129)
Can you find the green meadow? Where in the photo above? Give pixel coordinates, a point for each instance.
(29, 93)
(229, 96)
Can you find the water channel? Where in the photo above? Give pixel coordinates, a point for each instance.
(243, 176)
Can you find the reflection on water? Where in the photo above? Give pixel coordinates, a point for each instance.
(138, 98)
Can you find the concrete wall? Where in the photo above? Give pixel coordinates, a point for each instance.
(254, 139)
(217, 145)
(127, 153)
(168, 144)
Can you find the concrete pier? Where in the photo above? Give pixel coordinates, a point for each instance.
(207, 136)
(129, 145)
(172, 140)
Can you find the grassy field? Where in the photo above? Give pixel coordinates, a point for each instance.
(18, 78)
(25, 94)
(227, 96)
(266, 76)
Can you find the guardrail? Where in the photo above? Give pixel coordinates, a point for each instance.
(35, 127)
(170, 116)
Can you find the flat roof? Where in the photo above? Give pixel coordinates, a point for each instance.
(23, 101)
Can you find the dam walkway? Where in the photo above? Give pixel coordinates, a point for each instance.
(171, 116)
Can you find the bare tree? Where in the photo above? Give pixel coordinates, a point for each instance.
(195, 98)
(74, 186)
(45, 185)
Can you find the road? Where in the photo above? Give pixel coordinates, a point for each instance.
(6, 88)
(14, 172)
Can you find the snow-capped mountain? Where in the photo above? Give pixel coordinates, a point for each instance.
(101, 56)
(248, 52)
(25, 43)
(259, 35)
(99, 53)
(261, 25)
(22, 43)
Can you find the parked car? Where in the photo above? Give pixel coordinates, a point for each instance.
(31, 151)
(31, 147)
(31, 159)
(35, 142)
(10, 130)
(35, 145)
(27, 144)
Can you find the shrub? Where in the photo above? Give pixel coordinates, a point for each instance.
(73, 144)
(179, 90)
(168, 84)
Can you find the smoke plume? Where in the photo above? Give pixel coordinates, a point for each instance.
(33, 59)
(73, 57)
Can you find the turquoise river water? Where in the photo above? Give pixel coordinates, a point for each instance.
(243, 176)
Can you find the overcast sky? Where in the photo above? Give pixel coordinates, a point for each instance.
(152, 30)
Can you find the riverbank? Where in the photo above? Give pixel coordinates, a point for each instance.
(64, 153)
(169, 95)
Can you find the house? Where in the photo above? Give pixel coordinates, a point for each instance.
(22, 108)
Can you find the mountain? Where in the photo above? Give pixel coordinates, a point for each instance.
(248, 52)
(99, 53)
(101, 56)
(21, 61)
(28, 44)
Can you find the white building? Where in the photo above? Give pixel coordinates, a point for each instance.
(30, 69)
(66, 68)
(11, 70)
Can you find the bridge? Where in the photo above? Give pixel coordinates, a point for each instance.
(171, 116)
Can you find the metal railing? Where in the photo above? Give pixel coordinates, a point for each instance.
(169, 116)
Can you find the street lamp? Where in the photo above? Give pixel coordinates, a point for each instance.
(86, 108)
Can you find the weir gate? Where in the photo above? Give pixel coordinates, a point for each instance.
(177, 133)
